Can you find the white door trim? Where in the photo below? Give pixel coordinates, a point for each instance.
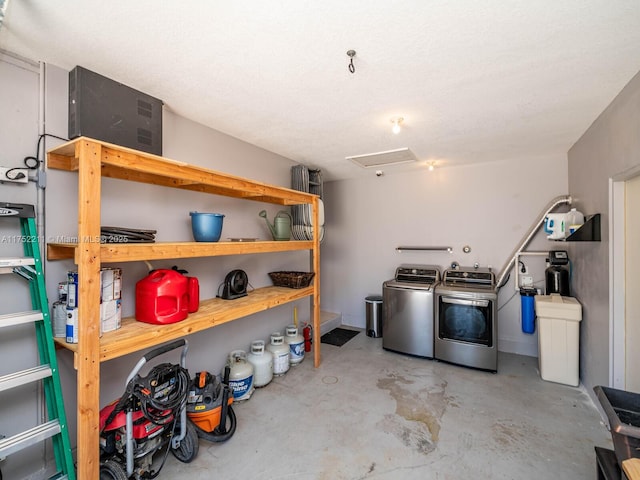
(617, 263)
(616, 284)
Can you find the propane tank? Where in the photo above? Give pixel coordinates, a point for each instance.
(296, 344)
(280, 351)
(240, 375)
(306, 333)
(262, 362)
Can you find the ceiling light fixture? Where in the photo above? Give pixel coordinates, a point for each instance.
(397, 122)
(432, 166)
(351, 54)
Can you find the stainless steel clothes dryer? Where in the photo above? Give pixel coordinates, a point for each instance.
(466, 318)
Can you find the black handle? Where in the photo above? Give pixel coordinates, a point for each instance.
(224, 411)
(224, 408)
(165, 348)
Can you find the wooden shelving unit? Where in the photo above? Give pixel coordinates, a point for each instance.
(92, 160)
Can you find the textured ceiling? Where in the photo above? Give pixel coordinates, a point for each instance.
(475, 81)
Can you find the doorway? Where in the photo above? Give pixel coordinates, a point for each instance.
(625, 283)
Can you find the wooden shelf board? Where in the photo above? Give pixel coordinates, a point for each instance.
(128, 164)
(134, 335)
(132, 252)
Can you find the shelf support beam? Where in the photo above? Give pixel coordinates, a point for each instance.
(88, 154)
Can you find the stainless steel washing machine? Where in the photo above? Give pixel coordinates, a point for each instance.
(408, 310)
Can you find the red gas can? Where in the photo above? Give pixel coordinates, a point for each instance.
(166, 296)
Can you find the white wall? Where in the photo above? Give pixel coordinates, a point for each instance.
(489, 207)
(608, 149)
(19, 407)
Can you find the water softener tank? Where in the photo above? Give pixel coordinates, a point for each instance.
(527, 309)
(557, 274)
(557, 281)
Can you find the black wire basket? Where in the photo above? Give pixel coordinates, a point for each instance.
(291, 279)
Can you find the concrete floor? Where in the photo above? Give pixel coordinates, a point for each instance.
(366, 413)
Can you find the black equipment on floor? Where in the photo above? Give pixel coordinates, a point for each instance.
(149, 418)
(209, 407)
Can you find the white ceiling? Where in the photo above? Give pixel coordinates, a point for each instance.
(475, 81)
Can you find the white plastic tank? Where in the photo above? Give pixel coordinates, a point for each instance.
(559, 338)
(575, 220)
(240, 375)
(280, 351)
(296, 344)
(262, 361)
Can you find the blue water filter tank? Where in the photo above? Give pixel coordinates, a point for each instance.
(528, 312)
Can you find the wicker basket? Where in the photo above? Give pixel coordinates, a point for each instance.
(292, 279)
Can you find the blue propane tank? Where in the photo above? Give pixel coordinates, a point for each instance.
(527, 309)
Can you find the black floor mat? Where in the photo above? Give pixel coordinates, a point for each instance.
(338, 336)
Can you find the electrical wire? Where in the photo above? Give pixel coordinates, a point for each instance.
(30, 162)
(36, 158)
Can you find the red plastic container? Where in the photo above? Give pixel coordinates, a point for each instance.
(166, 296)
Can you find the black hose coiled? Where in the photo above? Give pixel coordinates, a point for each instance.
(157, 406)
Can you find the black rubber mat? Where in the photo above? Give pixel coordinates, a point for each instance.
(338, 336)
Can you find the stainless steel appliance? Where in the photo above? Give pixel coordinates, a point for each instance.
(407, 320)
(466, 318)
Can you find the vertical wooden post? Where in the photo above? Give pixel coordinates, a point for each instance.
(88, 155)
(316, 282)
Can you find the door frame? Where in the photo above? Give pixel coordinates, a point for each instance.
(617, 262)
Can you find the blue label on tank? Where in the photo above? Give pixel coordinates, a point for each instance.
(69, 333)
(296, 350)
(241, 387)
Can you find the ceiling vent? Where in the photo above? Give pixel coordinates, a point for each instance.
(381, 159)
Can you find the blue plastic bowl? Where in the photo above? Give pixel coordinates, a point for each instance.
(206, 227)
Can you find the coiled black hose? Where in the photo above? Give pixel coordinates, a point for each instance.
(159, 407)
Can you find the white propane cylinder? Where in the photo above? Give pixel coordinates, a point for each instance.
(280, 351)
(296, 344)
(262, 362)
(240, 375)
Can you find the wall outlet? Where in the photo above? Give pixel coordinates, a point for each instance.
(14, 175)
(526, 281)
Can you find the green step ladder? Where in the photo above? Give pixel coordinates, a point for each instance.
(30, 269)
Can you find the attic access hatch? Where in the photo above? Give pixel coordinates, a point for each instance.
(383, 159)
